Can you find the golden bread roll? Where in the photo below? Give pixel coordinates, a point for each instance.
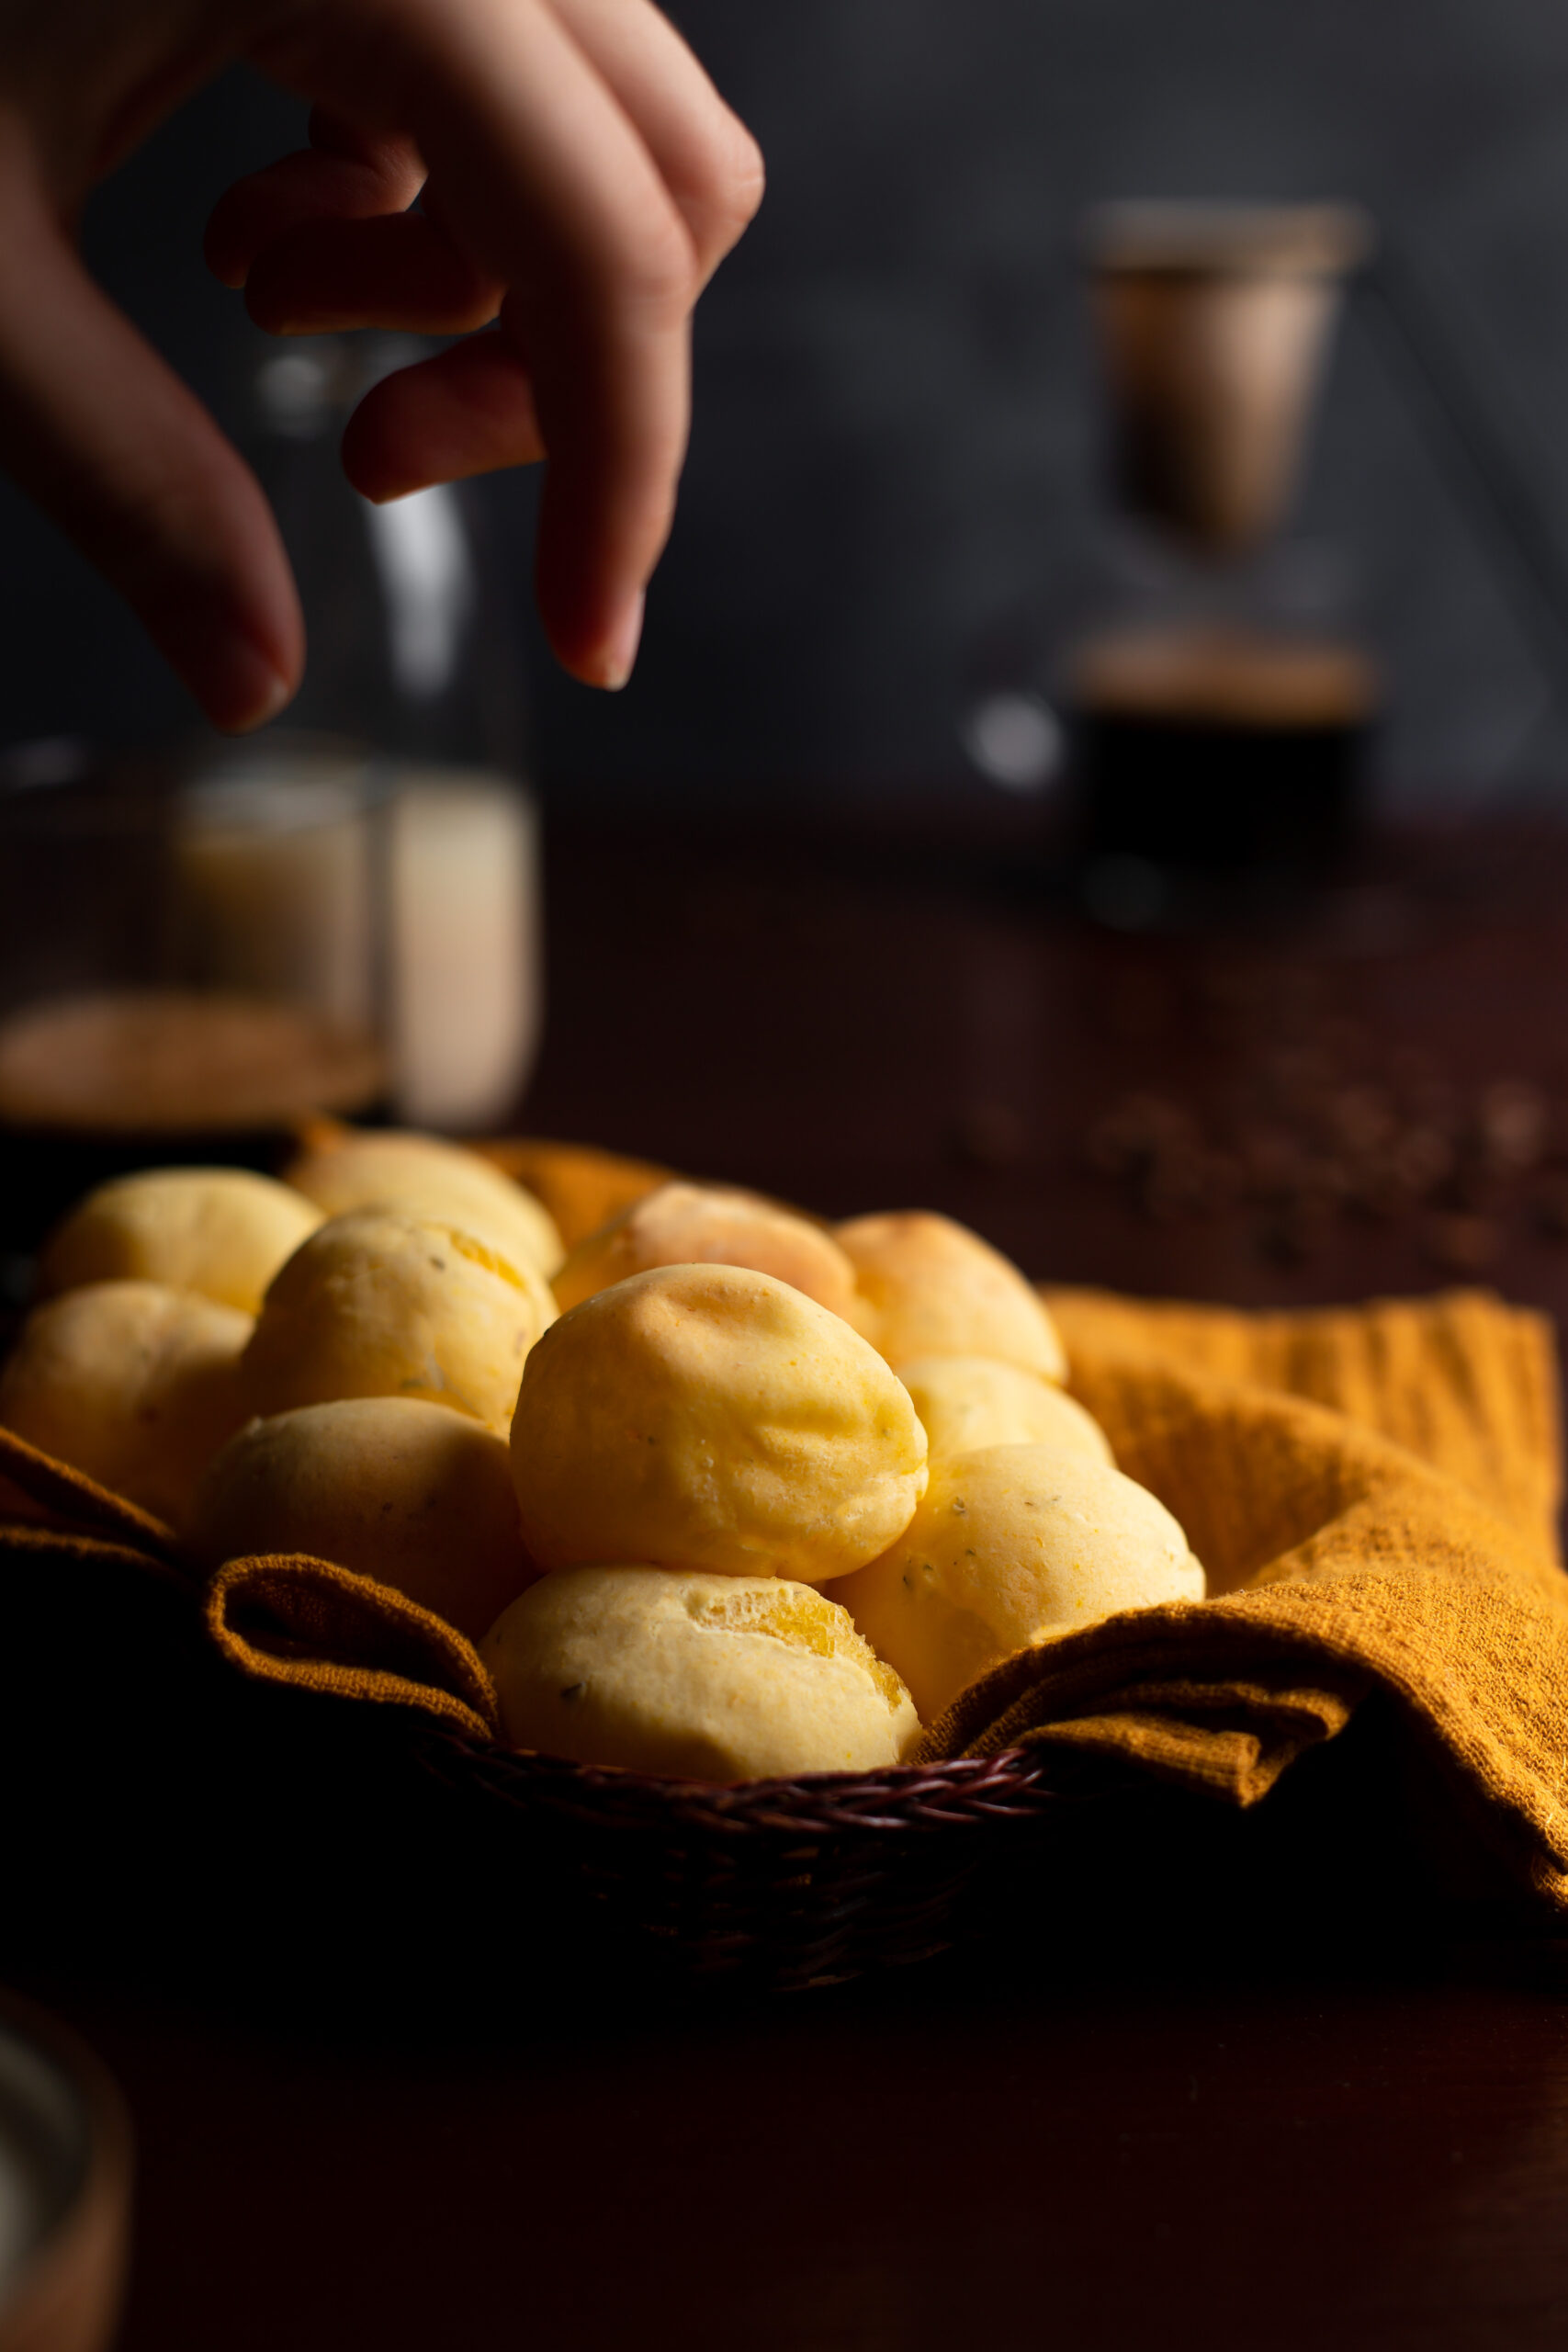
(709, 1224)
(702, 1678)
(134, 1383)
(377, 1168)
(936, 1289)
(707, 1417)
(966, 1402)
(581, 1186)
(1009, 1544)
(379, 1304)
(221, 1231)
(412, 1494)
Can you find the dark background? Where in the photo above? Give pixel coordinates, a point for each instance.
(895, 434)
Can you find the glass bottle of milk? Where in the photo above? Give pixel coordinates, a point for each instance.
(415, 662)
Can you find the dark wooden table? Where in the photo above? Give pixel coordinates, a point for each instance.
(1222, 2132)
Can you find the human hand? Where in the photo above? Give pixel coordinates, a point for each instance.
(579, 179)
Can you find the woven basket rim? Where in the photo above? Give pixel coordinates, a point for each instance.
(952, 1791)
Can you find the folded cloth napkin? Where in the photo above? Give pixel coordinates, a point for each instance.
(1372, 1492)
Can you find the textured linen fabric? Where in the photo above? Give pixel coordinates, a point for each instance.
(35, 1488)
(1465, 1383)
(283, 1617)
(1392, 1531)
(1372, 1492)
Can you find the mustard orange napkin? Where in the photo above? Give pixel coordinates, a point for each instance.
(1373, 1493)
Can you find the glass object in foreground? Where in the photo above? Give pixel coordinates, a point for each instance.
(189, 960)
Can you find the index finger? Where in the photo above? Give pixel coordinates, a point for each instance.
(548, 185)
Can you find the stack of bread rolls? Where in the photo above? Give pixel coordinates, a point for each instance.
(721, 1493)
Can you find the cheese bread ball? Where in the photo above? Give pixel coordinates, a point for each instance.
(707, 1417)
(432, 1178)
(1009, 1544)
(221, 1231)
(412, 1494)
(965, 1402)
(702, 1678)
(936, 1289)
(134, 1383)
(379, 1304)
(705, 1225)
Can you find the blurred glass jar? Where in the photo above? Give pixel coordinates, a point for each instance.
(1218, 721)
(337, 914)
(415, 660)
(190, 959)
(1218, 691)
(1200, 681)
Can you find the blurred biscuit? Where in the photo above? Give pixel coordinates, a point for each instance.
(221, 1231)
(709, 1224)
(581, 1186)
(426, 1174)
(934, 1288)
(133, 1383)
(379, 1304)
(410, 1493)
(968, 1402)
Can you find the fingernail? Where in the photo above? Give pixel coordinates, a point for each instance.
(238, 686)
(621, 645)
(272, 694)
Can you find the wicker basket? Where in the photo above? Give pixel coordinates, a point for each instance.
(169, 1813)
(776, 1884)
(773, 1883)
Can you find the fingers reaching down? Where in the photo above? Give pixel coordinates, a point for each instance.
(550, 181)
(396, 270)
(125, 459)
(708, 158)
(466, 411)
(589, 180)
(352, 179)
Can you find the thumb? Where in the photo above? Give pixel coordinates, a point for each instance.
(103, 436)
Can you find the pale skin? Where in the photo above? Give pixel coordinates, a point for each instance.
(579, 179)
